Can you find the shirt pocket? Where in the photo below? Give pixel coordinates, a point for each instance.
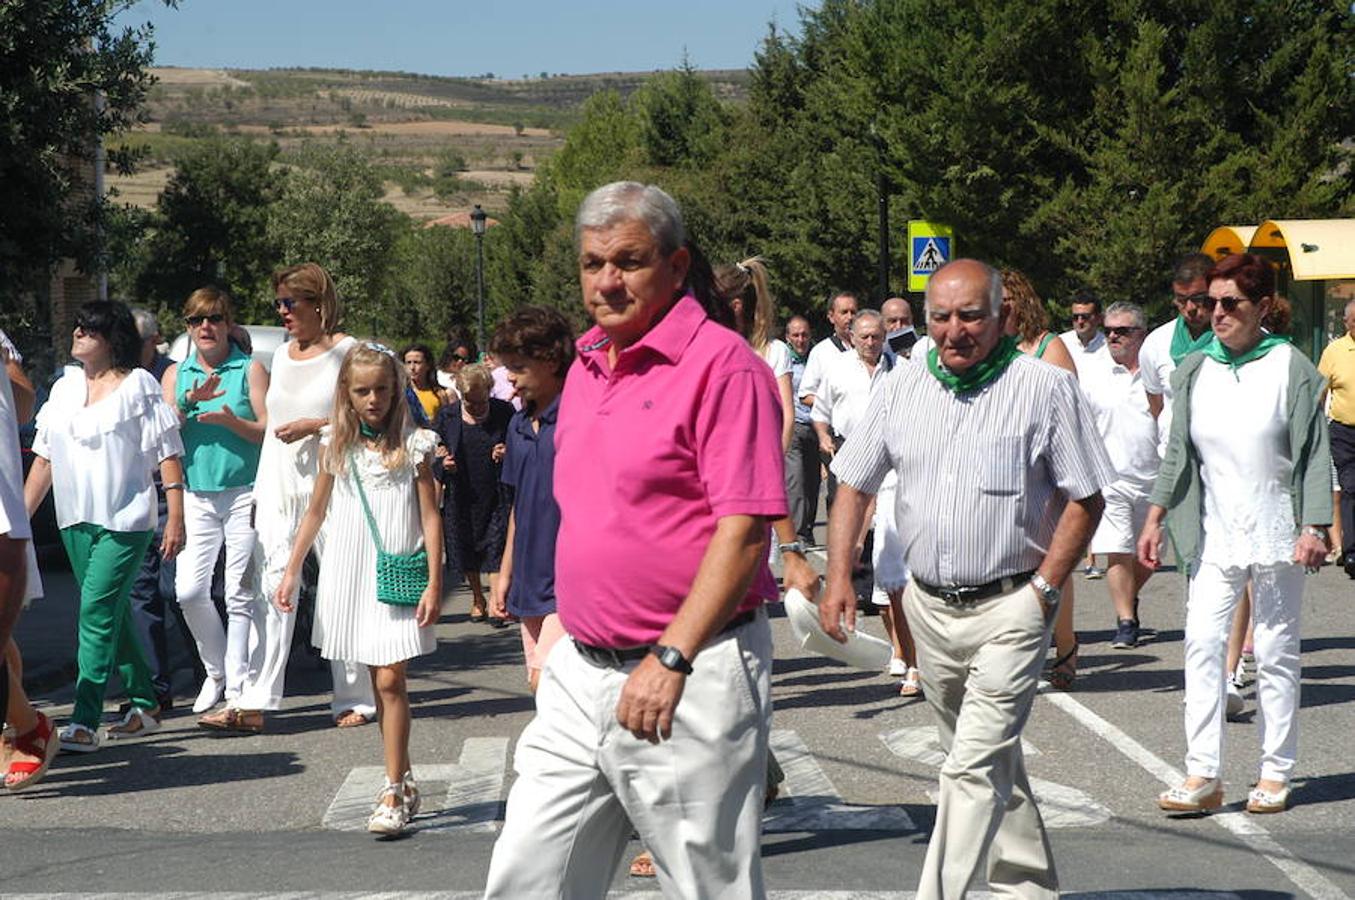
(1002, 462)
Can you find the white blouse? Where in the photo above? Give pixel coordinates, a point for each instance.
(1239, 424)
(103, 454)
(777, 355)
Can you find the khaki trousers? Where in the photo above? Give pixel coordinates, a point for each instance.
(980, 667)
(696, 798)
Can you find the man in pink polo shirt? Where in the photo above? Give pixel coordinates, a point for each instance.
(668, 475)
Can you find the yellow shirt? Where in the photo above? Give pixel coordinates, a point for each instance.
(1338, 367)
(430, 401)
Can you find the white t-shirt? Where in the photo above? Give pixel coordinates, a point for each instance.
(844, 392)
(1092, 360)
(777, 355)
(822, 352)
(1156, 364)
(13, 515)
(1239, 424)
(1120, 407)
(103, 454)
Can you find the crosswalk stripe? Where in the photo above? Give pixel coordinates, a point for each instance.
(465, 796)
(814, 804)
(476, 895)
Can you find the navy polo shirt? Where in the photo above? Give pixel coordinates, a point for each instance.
(529, 468)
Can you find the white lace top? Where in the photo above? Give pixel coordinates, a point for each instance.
(1240, 429)
(103, 454)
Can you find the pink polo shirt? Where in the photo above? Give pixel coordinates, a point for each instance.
(648, 457)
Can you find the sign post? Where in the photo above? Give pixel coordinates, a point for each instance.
(930, 246)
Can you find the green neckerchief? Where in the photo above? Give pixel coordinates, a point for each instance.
(1219, 352)
(979, 374)
(368, 431)
(1183, 343)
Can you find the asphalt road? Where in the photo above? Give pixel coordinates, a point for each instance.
(184, 811)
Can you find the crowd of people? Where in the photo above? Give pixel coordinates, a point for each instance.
(628, 489)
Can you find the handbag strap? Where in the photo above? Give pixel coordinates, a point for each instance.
(362, 495)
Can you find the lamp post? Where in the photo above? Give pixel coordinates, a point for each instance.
(477, 225)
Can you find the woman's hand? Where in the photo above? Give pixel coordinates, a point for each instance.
(225, 417)
(204, 390)
(282, 598)
(173, 541)
(429, 609)
(498, 452)
(498, 598)
(295, 430)
(1150, 544)
(1310, 551)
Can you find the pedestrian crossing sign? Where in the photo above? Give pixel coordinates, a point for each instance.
(931, 245)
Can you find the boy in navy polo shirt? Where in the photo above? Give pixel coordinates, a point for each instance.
(536, 345)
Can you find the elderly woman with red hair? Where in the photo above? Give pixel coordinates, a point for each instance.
(1245, 488)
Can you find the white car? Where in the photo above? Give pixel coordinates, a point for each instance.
(265, 338)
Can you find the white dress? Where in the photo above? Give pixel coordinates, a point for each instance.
(13, 516)
(350, 623)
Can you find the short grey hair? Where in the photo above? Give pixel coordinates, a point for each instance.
(994, 285)
(1125, 308)
(867, 315)
(623, 201)
(147, 326)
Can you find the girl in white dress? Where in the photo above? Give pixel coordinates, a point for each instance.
(370, 450)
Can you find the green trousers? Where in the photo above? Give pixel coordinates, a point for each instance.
(105, 565)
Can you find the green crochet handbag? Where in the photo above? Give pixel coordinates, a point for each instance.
(401, 578)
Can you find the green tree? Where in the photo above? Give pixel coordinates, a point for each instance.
(58, 57)
(434, 279)
(330, 212)
(211, 227)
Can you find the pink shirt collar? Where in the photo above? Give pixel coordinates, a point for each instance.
(669, 338)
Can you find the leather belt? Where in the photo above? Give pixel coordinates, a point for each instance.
(618, 658)
(968, 595)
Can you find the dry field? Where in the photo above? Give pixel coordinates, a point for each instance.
(173, 75)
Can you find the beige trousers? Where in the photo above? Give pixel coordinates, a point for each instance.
(696, 798)
(980, 667)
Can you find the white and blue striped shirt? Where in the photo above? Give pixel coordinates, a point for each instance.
(983, 476)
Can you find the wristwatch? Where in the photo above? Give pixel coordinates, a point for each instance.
(1048, 593)
(1316, 531)
(671, 658)
(792, 547)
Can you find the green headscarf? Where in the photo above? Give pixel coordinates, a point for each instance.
(979, 374)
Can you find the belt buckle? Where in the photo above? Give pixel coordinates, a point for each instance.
(957, 596)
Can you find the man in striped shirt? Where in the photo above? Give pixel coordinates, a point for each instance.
(1000, 469)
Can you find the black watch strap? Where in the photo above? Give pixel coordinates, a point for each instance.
(671, 658)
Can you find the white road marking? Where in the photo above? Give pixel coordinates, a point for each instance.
(476, 895)
(810, 802)
(1242, 825)
(1060, 806)
(466, 796)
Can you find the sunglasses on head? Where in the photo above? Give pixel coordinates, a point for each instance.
(195, 321)
(1229, 304)
(1122, 330)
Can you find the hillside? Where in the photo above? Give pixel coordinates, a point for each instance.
(495, 131)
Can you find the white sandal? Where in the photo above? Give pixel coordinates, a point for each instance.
(412, 798)
(137, 723)
(389, 820)
(1207, 796)
(911, 686)
(1261, 801)
(77, 738)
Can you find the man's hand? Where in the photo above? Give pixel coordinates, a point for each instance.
(798, 574)
(649, 699)
(837, 611)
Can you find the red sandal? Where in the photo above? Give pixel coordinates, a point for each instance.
(40, 742)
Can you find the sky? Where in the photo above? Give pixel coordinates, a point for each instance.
(510, 38)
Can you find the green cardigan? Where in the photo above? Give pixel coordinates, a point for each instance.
(1180, 489)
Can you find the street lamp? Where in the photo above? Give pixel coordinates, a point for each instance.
(477, 225)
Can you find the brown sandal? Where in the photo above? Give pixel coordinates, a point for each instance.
(1064, 671)
(243, 721)
(642, 866)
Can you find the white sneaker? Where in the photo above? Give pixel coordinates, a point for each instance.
(1235, 703)
(212, 693)
(389, 820)
(897, 667)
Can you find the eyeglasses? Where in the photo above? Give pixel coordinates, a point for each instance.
(195, 321)
(460, 357)
(1200, 299)
(1122, 330)
(284, 303)
(1077, 317)
(1229, 304)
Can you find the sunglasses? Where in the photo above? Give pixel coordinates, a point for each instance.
(195, 321)
(1229, 304)
(284, 303)
(1079, 316)
(84, 327)
(1200, 299)
(1122, 330)
(460, 357)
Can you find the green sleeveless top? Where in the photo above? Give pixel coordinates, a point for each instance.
(216, 458)
(1044, 344)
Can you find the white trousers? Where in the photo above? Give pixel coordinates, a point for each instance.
(980, 667)
(891, 569)
(267, 682)
(695, 798)
(1277, 595)
(212, 519)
